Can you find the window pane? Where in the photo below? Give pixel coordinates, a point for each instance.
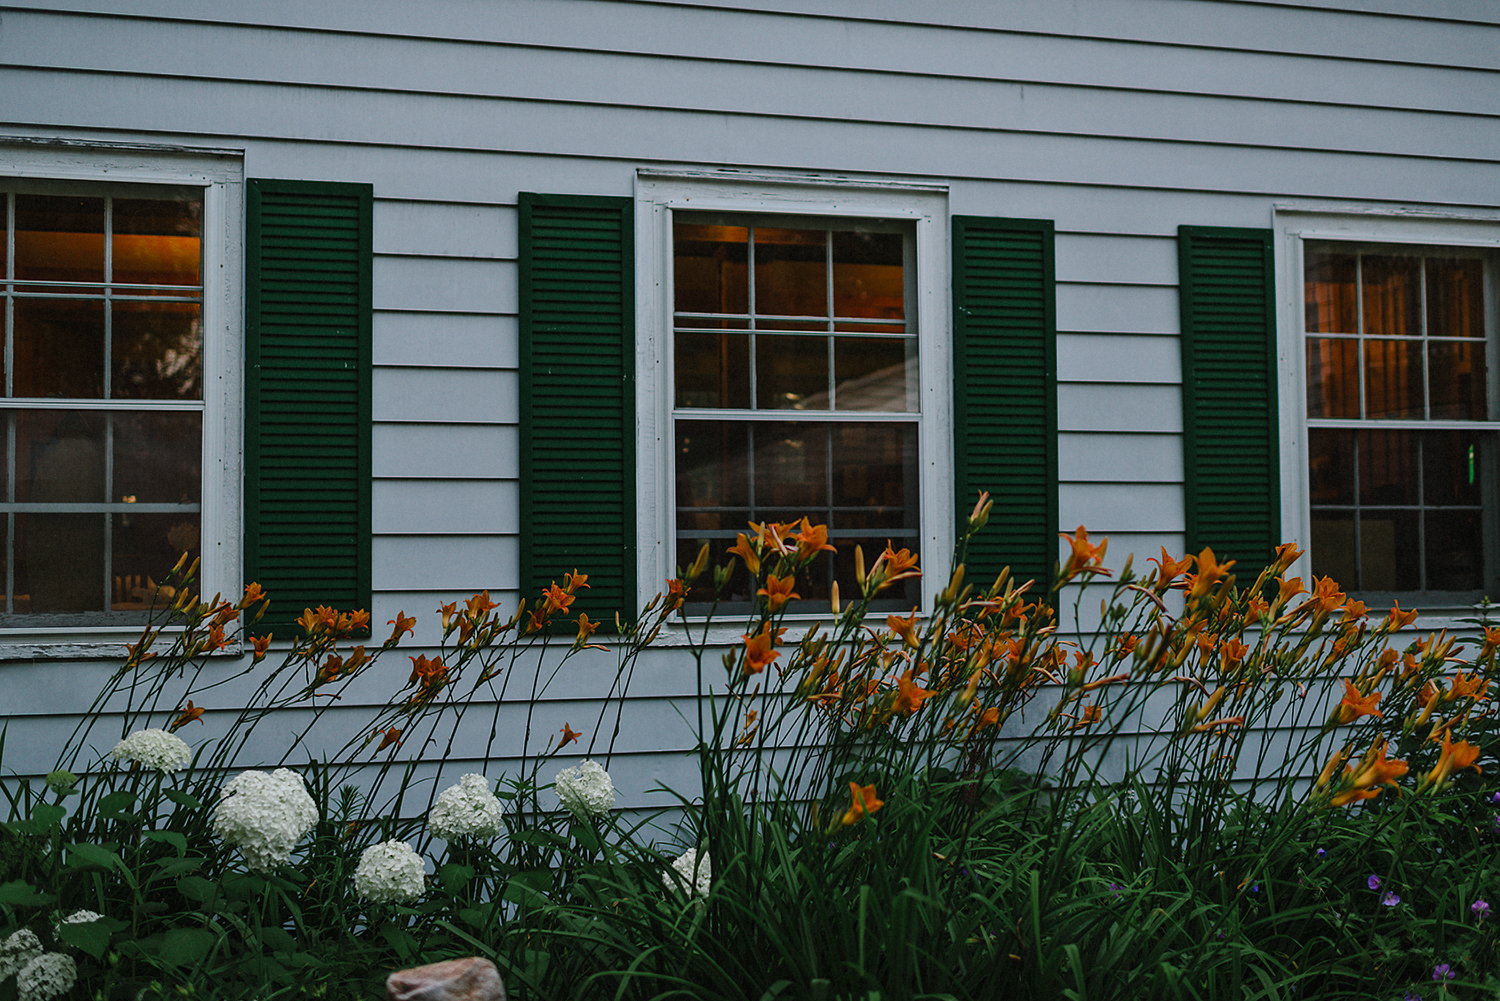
(157, 241)
(713, 467)
(145, 548)
(1333, 546)
(791, 470)
(59, 238)
(60, 562)
(791, 373)
(737, 589)
(1393, 295)
(1387, 467)
(1456, 373)
(1455, 559)
(1332, 377)
(60, 456)
(875, 374)
(1455, 297)
(4, 243)
(1329, 291)
(876, 471)
(158, 458)
(867, 275)
(791, 272)
(1452, 469)
(710, 271)
(1393, 379)
(1330, 460)
(59, 348)
(1389, 548)
(158, 351)
(712, 370)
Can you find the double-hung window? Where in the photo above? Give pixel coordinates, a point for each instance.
(120, 377)
(797, 370)
(1401, 416)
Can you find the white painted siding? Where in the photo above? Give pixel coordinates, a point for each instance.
(1118, 119)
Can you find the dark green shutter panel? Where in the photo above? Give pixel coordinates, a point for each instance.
(1005, 392)
(307, 396)
(578, 398)
(1230, 443)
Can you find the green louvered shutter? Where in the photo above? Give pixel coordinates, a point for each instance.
(1230, 445)
(307, 403)
(1005, 391)
(578, 398)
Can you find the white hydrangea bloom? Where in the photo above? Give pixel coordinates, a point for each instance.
(46, 976)
(80, 918)
(466, 810)
(692, 871)
(585, 789)
(265, 814)
(166, 752)
(17, 950)
(390, 872)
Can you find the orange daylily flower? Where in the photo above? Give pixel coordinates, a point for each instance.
(573, 581)
(1354, 705)
(1170, 569)
(359, 619)
(864, 803)
(388, 737)
(676, 595)
(742, 549)
(189, 714)
(1210, 572)
(1287, 554)
(479, 605)
(909, 697)
(405, 625)
(1399, 619)
(906, 628)
(568, 736)
(760, 649)
(1354, 611)
(329, 671)
(1455, 758)
(253, 593)
(309, 621)
(811, 540)
(558, 600)
(1086, 557)
(772, 537)
(1090, 715)
(447, 611)
(892, 566)
(260, 644)
(778, 591)
(1289, 588)
(990, 717)
(1326, 596)
(586, 628)
(1462, 687)
(1376, 770)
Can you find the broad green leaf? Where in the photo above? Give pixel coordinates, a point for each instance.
(83, 855)
(543, 839)
(92, 937)
(182, 799)
(454, 877)
(116, 801)
(48, 814)
(19, 891)
(173, 838)
(476, 917)
(196, 888)
(186, 946)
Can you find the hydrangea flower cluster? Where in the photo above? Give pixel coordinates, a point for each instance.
(692, 870)
(265, 815)
(466, 810)
(390, 872)
(80, 918)
(17, 950)
(46, 976)
(166, 752)
(586, 789)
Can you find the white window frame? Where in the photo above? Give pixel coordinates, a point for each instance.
(1297, 224)
(660, 192)
(220, 175)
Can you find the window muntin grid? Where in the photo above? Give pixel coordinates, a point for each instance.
(795, 385)
(102, 396)
(1399, 399)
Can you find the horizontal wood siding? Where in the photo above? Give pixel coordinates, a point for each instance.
(1118, 120)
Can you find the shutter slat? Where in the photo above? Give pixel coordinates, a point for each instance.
(1230, 442)
(1005, 391)
(307, 433)
(577, 328)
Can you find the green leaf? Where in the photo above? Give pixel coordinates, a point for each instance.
(477, 917)
(454, 877)
(170, 868)
(21, 892)
(48, 814)
(196, 888)
(91, 936)
(279, 939)
(182, 799)
(528, 886)
(84, 855)
(116, 801)
(186, 946)
(542, 839)
(172, 838)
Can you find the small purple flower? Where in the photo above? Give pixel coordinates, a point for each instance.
(1390, 899)
(1442, 972)
(1255, 888)
(1480, 909)
(1114, 888)
(1495, 798)
(1373, 882)
(1412, 996)
(1320, 853)
(1496, 824)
